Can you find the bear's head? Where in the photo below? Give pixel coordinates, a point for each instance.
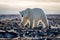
(25, 12)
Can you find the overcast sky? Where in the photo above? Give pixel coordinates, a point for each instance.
(14, 6)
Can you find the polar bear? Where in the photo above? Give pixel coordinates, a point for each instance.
(33, 17)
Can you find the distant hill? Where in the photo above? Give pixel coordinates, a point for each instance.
(9, 16)
(53, 16)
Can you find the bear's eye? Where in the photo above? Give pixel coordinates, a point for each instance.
(22, 15)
